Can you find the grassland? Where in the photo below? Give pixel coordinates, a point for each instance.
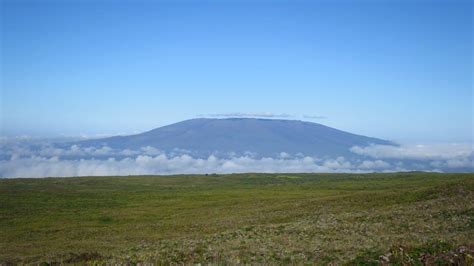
(400, 218)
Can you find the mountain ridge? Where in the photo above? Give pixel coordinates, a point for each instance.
(202, 137)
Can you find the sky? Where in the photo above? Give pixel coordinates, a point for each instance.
(398, 70)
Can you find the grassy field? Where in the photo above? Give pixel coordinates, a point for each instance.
(400, 218)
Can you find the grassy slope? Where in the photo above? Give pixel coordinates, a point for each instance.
(232, 218)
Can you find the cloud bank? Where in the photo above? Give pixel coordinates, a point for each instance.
(162, 164)
(437, 151)
(444, 156)
(43, 159)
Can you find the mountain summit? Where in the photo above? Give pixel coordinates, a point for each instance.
(261, 137)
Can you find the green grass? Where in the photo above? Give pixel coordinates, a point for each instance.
(240, 218)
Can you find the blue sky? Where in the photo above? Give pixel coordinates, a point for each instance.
(400, 70)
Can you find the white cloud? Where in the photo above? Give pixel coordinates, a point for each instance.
(417, 152)
(374, 165)
(38, 166)
(250, 114)
(338, 163)
(262, 115)
(439, 155)
(44, 159)
(314, 117)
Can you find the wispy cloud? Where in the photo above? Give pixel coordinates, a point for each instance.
(263, 115)
(314, 117)
(250, 114)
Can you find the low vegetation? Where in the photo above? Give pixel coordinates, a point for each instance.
(364, 219)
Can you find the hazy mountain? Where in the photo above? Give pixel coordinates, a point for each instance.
(264, 137)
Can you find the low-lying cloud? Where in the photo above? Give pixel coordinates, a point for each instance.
(184, 164)
(44, 159)
(438, 155)
(437, 151)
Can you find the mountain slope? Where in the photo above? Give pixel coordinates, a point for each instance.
(265, 137)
